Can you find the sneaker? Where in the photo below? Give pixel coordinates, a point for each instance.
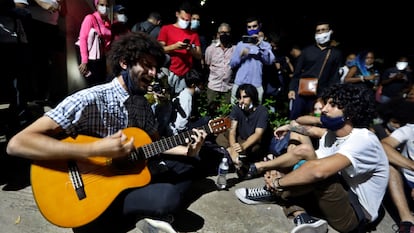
(308, 224)
(405, 227)
(253, 196)
(148, 225)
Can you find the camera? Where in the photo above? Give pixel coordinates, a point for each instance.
(187, 41)
(250, 39)
(156, 88)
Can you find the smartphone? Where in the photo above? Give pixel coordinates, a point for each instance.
(187, 41)
(250, 39)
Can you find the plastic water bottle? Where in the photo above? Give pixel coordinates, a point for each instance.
(223, 169)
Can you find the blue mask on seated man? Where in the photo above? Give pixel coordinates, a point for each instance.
(332, 123)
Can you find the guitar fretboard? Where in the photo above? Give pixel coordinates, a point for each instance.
(164, 144)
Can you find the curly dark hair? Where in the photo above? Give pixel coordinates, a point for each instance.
(357, 103)
(132, 47)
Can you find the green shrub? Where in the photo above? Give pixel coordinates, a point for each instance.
(277, 117)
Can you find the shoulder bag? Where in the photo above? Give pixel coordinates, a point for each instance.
(308, 85)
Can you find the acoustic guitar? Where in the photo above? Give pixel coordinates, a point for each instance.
(72, 193)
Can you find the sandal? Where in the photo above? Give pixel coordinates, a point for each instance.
(247, 172)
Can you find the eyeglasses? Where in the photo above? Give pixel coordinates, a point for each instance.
(252, 26)
(222, 33)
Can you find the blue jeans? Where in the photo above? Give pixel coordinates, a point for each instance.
(302, 105)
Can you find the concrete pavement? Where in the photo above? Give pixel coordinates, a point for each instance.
(211, 211)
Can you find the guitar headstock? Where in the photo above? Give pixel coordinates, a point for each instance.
(219, 125)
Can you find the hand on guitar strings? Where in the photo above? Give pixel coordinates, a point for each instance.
(195, 142)
(114, 146)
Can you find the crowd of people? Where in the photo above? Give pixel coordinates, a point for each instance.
(347, 146)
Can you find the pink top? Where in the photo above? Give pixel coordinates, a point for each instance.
(103, 28)
(218, 61)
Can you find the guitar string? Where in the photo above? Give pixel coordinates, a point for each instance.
(149, 150)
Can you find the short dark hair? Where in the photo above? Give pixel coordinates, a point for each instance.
(187, 7)
(357, 102)
(251, 91)
(192, 77)
(132, 47)
(253, 18)
(155, 15)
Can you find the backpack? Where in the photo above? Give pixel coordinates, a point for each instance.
(146, 30)
(144, 26)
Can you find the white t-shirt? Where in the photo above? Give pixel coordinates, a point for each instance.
(368, 175)
(405, 135)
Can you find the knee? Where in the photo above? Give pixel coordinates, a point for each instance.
(304, 151)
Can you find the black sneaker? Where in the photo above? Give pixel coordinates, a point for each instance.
(308, 224)
(405, 227)
(252, 196)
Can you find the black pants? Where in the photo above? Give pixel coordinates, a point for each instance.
(163, 196)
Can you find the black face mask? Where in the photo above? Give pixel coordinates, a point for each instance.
(225, 39)
(132, 87)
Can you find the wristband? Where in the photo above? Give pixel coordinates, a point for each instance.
(277, 185)
(362, 78)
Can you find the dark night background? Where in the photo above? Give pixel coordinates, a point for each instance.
(384, 27)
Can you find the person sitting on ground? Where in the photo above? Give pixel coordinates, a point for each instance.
(349, 165)
(104, 111)
(401, 183)
(245, 140)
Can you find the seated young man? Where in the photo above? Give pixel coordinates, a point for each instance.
(401, 183)
(249, 121)
(349, 165)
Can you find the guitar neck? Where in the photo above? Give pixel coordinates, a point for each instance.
(155, 148)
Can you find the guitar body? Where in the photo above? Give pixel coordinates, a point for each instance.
(72, 193)
(55, 194)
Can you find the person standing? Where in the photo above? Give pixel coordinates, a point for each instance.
(310, 64)
(151, 26)
(47, 50)
(182, 45)
(248, 58)
(95, 38)
(105, 111)
(217, 58)
(119, 25)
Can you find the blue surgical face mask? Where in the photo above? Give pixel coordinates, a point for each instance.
(332, 123)
(252, 32)
(182, 23)
(132, 87)
(350, 63)
(195, 24)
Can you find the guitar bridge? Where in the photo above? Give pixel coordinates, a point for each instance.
(76, 180)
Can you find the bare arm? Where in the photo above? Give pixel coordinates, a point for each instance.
(294, 126)
(252, 139)
(37, 142)
(312, 171)
(396, 158)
